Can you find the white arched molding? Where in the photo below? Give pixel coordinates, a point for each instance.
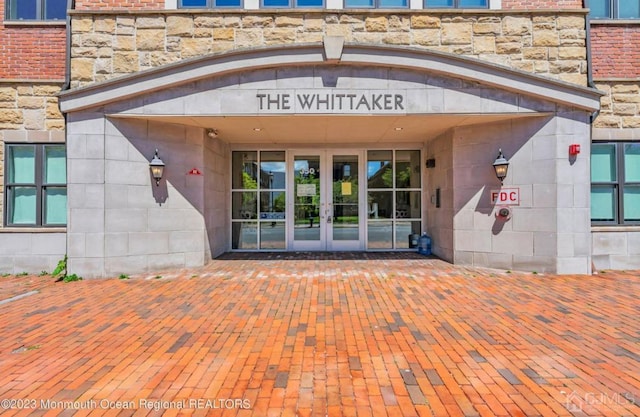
(408, 58)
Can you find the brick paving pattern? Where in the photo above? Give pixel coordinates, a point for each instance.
(349, 335)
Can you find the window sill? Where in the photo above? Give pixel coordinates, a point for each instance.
(620, 228)
(31, 23)
(33, 230)
(614, 21)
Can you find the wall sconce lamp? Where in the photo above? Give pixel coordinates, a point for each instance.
(157, 168)
(501, 166)
(212, 133)
(431, 163)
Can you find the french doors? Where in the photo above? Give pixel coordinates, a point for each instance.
(325, 211)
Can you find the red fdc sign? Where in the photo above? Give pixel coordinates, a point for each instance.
(506, 197)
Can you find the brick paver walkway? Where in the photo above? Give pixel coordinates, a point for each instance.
(389, 335)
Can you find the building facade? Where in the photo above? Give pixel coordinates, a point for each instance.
(319, 126)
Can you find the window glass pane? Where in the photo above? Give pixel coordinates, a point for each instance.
(407, 204)
(472, 3)
(306, 177)
(379, 171)
(393, 3)
(603, 206)
(55, 165)
(275, 3)
(600, 9)
(244, 205)
(628, 9)
(408, 169)
(380, 204)
(194, 3)
(603, 162)
(244, 170)
(22, 201)
(310, 3)
(228, 3)
(272, 204)
(272, 235)
(632, 203)
(55, 9)
(404, 230)
(439, 3)
(632, 162)
(306, 222)
(359, 3)
(22, 165)
(244, 235)
(272, 170)
(379, 234)
(23, 9)
(55, 205)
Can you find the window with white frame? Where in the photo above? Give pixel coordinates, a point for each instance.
(380, 4)
(614, 9)
(36, 9)
(615, 183)
(394, 198)
(35, 185)
(457, 4)
(202, 4)
(258, 200)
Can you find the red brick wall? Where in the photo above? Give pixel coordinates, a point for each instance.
(32, 52)
(541, 4)
(615, 51)
(119, 4)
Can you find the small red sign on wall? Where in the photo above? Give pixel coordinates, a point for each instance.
(506, 197)
(194, 171)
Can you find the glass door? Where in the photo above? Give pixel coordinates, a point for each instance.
(326, 212)
(308, 215)
(344, 228)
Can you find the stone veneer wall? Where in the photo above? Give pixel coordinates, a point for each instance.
(620, 108)
(110, 44)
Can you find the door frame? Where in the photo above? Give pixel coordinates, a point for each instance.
(326, 243)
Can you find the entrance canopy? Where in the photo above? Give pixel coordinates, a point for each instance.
(328, 89)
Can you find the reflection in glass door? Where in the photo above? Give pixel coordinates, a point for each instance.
(307, 203)
(344, 208)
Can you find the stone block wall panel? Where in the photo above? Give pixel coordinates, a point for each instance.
(616, 249)
(31, 252)
(550, 44)
(620, 107)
